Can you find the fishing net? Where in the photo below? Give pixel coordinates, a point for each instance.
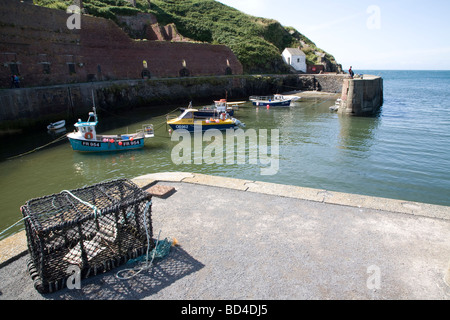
(95, 228)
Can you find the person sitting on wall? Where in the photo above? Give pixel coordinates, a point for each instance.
(145, 74)
(350, 71)
(16, 81)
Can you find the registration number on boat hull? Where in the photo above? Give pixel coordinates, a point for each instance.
(90, 144)
(131, 143)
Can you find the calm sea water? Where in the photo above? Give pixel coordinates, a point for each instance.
(402, 153)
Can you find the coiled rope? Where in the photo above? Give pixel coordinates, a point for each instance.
(148, 264)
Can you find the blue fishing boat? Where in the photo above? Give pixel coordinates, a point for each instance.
(86, 139)
(272, 101)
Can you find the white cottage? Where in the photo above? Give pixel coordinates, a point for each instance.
(295, 58)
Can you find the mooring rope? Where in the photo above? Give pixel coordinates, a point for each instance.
(13, 225)
(38, 148)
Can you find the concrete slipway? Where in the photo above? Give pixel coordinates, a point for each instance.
(241, 239)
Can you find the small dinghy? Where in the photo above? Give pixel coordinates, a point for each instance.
(56, 125)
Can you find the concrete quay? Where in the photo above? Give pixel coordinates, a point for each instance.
(242, 239)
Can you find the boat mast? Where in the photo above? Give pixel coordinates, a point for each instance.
(93, 103)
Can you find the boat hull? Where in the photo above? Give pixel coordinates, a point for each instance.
(284, 103)
(192, 127)
(101, 146)
(56, 125)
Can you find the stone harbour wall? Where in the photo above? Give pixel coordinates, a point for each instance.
(36, 106)
(323, 82)
(361, 96)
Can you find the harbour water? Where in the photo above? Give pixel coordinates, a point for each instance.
(402, 153)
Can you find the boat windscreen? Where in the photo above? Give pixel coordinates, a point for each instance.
(187, 114)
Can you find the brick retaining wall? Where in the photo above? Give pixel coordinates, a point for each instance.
(37, 41)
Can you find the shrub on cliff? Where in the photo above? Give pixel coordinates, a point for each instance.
(257, 42)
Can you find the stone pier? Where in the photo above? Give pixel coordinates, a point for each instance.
(361, 96)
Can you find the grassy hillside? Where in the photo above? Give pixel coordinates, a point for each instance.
(257, 42)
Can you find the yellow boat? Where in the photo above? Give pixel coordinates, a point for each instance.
(189, 121)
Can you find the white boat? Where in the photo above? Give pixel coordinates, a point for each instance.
(336, 106)
(56, 125)
(272, 101)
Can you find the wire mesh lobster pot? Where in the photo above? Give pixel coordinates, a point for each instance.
(95, 228)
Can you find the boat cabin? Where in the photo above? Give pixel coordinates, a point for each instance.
(87, 128)
(188, 114)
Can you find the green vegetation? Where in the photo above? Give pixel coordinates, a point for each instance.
(54, 4)
(107, 9)
(257, 42)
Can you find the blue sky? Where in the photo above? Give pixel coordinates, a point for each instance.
(375, 34)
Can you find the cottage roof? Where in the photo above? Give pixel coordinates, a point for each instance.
(295, 51)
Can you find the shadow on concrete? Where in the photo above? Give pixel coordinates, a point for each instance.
(107, 286)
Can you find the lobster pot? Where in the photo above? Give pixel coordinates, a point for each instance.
(90, 230)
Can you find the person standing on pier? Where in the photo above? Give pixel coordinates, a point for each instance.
(350, 71)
